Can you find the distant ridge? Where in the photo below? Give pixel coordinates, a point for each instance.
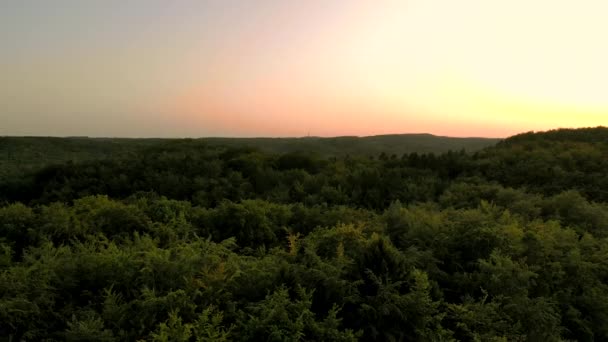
(25, 154)
(367, 145)
(597, 134)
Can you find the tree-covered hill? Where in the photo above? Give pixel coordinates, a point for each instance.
(368, 146)
(185, 240)
(549, 162)
(587, 135)
(20, 155)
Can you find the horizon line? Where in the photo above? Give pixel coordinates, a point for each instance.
(249, 137)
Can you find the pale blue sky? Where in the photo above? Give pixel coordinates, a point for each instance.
(285, 68)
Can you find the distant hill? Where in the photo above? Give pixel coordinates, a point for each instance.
(20, 155)
(372, 145)
(549, 162)
(563, 135)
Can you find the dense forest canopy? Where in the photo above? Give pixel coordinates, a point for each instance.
(194, 240)
(27, 154)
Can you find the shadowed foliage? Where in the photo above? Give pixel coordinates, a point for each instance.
(188, 240)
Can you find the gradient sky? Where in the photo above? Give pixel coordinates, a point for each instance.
(291, 68)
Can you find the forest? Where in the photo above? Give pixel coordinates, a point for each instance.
(207, 240)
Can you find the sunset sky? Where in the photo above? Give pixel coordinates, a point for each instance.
(291, 68)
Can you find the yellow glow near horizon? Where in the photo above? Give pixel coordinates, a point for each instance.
(333, 67)
(471, 67)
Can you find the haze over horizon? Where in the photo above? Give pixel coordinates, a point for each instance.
(233, 68)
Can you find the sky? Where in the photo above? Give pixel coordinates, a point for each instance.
(157, 68)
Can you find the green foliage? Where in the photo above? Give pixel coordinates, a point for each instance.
(280, 317)
(206, 328)
(184, 240)
(88, 328)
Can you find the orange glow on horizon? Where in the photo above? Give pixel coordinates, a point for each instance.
(320, 67)
(384, 69)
